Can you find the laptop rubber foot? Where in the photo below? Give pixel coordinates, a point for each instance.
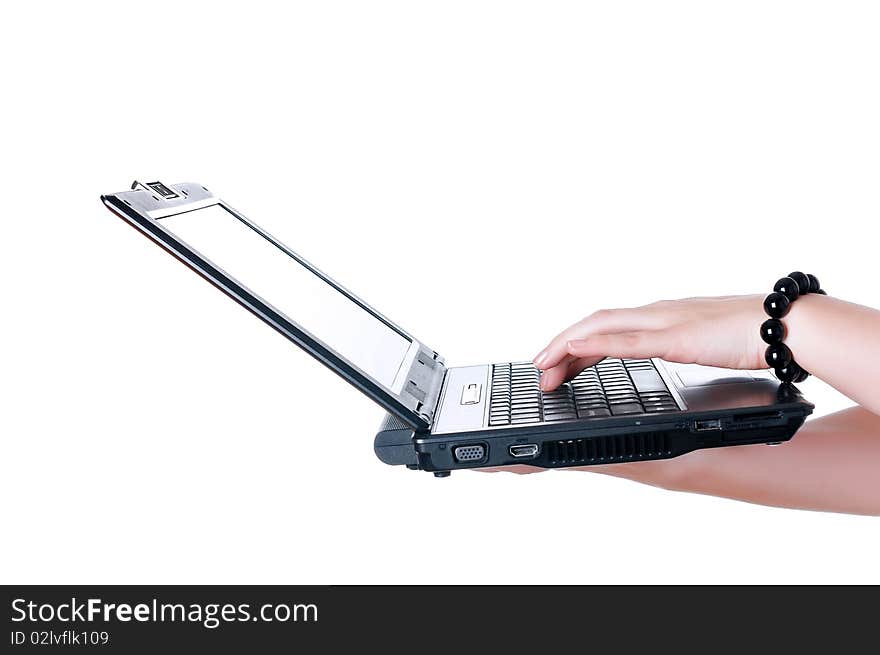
(442, 474)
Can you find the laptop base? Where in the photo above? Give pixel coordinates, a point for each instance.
(579, 444)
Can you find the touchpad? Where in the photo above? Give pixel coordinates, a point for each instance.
(692, 375)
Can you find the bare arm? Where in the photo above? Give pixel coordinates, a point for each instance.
(832, 464)
(839, 342)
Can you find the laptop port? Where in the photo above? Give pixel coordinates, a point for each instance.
(471, 453)
(523, 451)
(707, 424)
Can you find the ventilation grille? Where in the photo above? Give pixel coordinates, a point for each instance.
(619, 448)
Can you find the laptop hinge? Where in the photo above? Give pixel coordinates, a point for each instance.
(425, 381)
(163, 190)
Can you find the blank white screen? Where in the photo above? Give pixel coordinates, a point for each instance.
(292, 289)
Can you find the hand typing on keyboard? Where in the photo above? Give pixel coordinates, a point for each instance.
(711, 331)
(832, 464)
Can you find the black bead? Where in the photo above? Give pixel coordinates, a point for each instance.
(772, 331)
(814, 283)
(822, 292)
(778, 355)
(787, 287)
(776, 305)
(802, 280)
(789, 373)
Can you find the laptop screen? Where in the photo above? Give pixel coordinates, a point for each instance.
(293, 289)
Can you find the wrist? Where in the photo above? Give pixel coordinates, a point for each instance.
(755, 345)
(800, 327)
(788, 292)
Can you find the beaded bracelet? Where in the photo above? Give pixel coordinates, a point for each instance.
(785, 292)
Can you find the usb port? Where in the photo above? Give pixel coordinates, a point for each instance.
(708, 424)
(523, 451)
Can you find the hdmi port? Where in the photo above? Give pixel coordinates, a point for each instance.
(522, 451)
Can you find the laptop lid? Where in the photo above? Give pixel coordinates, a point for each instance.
(284, 290)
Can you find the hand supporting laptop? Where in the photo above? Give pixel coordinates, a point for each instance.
(833, 464)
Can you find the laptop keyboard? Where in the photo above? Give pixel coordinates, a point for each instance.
(613, 387)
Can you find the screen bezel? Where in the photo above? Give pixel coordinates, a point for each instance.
(145, 212)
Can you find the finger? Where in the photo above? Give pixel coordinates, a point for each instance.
(606, 320)
(565, 361)
(639, 344)
(578, 365)
(554, 376)
(567, 369)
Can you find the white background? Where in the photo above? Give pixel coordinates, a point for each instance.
(485, 174)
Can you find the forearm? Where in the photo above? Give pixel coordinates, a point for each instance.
(838, 342)
(832, 464)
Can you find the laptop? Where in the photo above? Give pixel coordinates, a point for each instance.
(441, 418)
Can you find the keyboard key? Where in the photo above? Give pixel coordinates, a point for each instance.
(524, 409)
(646, 381)
(559, 416)
(626, 408)
(591, 401)
(528, 419)
(594, 412)
(615, 379)
(656, 400)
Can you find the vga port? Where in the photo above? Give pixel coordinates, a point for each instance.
(474, 452)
